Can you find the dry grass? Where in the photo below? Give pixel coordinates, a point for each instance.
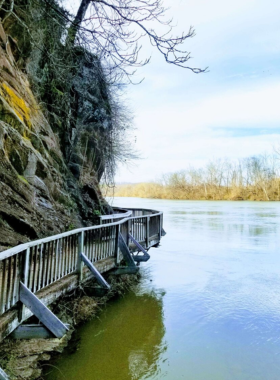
(254, 178)
(159, 191)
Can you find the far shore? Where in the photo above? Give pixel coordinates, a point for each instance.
(154, 190)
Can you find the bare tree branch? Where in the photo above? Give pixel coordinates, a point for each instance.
(113, 30)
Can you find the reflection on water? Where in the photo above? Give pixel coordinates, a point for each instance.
(124, 343)
(219, 268)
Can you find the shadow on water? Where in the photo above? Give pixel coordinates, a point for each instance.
(124, 343)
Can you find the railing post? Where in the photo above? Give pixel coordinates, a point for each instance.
(129, 231)
(147, 231)
(24, 276)
(160, 225)
(80, 251)
(117, 244)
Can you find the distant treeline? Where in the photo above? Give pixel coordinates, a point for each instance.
(253, 178)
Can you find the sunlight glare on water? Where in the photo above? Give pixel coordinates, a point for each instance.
(208, 307)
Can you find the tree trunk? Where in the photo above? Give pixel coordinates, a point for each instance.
(72, 31)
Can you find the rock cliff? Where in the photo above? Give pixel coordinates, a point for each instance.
(51, 158)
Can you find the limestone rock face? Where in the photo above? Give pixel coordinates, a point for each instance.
(41, 193)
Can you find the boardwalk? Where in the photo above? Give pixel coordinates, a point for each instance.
(35, 274)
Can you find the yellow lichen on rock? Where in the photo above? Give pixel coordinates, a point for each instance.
(17, 104)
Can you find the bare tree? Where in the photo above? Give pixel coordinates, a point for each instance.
(113, 29)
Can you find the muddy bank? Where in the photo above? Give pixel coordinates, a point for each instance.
(25, 359)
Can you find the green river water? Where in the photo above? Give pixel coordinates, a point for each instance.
(207, 307)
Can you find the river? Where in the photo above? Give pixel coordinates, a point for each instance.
(207, 308)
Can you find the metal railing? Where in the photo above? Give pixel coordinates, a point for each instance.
(40, 263)
(119, 214)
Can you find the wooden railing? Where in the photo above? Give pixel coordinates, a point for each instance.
(40, 263)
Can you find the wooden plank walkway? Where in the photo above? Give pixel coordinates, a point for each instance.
(49, 267)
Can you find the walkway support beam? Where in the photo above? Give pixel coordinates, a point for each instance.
(100, 279)
(125, 270)
(33, 332)
(42, 312)
(145, 256)
(125, 251)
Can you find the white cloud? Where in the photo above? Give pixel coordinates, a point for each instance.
(253, 106)
(177, 135)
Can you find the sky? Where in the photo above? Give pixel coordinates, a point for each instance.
(184, 119)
